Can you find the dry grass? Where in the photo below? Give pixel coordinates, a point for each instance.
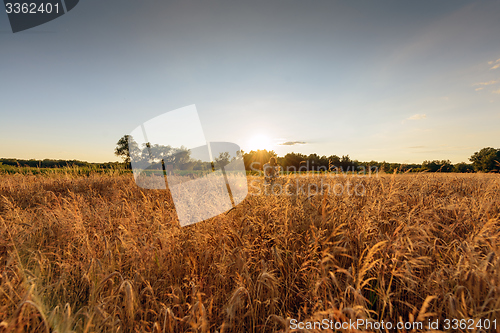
(99, 254)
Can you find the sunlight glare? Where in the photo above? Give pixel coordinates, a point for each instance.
(260, 141)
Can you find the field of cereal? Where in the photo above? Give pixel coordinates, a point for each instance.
(96, 253)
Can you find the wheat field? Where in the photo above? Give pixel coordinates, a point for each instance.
(98, 254)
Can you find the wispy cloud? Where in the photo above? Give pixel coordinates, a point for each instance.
(496, 91)
(292, 143)
(417, 147)
(496, 64)
(485, 83)
(480, 88)
(418, 116)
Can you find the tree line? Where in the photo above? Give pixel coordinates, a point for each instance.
(156, 157)
(485, 160)
(48, 163)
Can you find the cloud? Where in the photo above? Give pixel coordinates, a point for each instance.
(496, 91)
(485, 83)
(292, 143)
(417, 147)
(496, 62)
(418, 116)
(480, 88)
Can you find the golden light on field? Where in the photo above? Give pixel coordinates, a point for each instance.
(306, 228)
(260, 141)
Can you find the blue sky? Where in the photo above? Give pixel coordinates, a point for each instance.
(398, 81)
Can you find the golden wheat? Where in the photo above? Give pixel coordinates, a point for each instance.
(99, 254)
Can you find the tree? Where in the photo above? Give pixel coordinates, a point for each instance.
(255, 160)
(223, 159)
(486, 160)
(292, 161)
(463, 167)
(123, 148)
(347, 164)
(437, 166)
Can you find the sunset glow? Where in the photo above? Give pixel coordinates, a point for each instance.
(260, 141)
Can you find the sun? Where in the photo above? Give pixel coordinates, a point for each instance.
(260, 141)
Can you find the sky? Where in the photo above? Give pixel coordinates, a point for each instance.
(396, 81)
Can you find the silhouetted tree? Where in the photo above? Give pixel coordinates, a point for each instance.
(257, 159)
(292, 160)
(123, 148)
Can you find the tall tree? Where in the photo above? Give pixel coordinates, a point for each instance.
(487, 159)
(123, 147)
